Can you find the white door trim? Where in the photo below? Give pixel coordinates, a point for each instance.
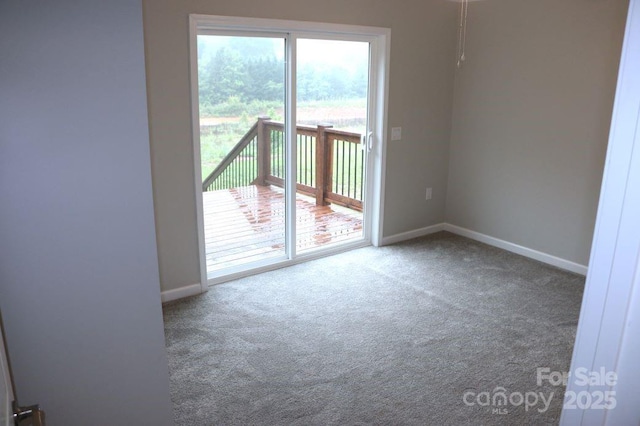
(195, 137)
(604, 337)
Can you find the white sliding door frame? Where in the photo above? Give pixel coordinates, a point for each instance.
(291, 152)
(291, 31)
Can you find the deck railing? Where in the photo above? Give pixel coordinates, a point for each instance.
(330, 163)
(239, 167)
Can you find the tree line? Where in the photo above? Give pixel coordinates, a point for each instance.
(231, 75)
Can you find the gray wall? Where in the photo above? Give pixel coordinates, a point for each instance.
(421, 85)
(79, 286)
(532, 108)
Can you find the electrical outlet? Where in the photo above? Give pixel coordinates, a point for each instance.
(429, 193)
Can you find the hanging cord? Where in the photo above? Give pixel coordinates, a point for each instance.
(462, 31)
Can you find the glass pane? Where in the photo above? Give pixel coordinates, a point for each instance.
(331, 111)
(242, 94)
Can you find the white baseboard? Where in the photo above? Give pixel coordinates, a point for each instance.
(515, 248)
(194, 289)
(179, 293)
(421, 232)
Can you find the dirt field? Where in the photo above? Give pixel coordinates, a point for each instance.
(305, 114)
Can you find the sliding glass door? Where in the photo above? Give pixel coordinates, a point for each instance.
(282, 140)
(241, 98)
(332, 82)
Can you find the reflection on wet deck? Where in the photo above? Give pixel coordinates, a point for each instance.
(247, 224)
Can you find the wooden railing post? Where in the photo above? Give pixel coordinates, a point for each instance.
(323, 159)
(264, 151)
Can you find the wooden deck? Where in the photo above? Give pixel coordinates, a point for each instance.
(247, 224)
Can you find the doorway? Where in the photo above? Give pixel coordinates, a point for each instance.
(288, 142)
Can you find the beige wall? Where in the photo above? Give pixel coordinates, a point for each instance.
(529, 116)
(421, 83)
(532, 108)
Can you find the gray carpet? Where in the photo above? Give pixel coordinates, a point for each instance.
(392, 335)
